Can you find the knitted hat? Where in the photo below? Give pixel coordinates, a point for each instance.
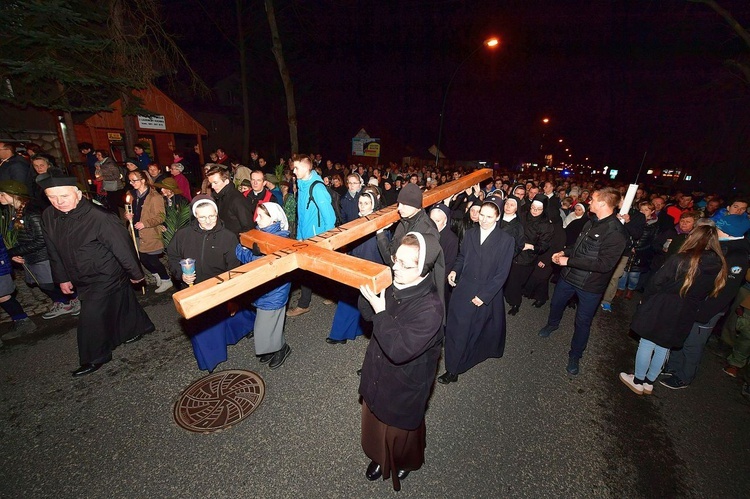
(169, 183)
(410, 195)
(200, 200)
(733, 225)
(14, 188)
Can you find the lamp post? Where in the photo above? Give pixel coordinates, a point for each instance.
(490, 43)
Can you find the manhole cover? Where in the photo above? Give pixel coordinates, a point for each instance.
(219, 401)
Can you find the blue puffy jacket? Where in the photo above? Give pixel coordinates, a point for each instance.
(277, 297)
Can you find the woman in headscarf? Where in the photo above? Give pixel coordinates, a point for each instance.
(579, 210)
(511, 224)
(346, 321)
(475, 329)
(213, 247)
(270, 344)
(401, 360)
(537, 235)
(182, 181)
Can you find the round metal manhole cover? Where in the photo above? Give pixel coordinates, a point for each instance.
(219, 400)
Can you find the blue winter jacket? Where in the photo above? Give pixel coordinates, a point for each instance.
(277, 297)
(307, 218)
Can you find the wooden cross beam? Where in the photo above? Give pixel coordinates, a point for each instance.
(316, 254)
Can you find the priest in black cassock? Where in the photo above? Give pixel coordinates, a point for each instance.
(90, 250)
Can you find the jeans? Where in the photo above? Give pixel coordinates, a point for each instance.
(649, 360)
(684, 361)
(629, 280)
(588, 303)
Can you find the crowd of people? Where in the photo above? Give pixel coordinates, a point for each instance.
(456, 265)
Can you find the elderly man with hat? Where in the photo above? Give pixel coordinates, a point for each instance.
(90, 250)
(413, 219)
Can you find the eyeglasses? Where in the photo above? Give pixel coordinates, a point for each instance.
(208, 217)
(354, 183)
(401, 264)
(136, 180)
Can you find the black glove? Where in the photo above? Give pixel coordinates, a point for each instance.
(256, 250)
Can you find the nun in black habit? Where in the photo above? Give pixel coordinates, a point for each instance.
(475, 329)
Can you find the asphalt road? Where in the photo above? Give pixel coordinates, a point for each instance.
(512, 427)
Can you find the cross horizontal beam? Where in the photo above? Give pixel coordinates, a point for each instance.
(316, 254)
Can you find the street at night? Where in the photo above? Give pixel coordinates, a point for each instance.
(512, 427)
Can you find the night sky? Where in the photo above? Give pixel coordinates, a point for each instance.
(616, 78)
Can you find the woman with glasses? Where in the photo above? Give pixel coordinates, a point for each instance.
(147, 217)
(475, 328)
(212, 246)
(399, 367)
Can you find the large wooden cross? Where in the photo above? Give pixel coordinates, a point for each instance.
(316, 254)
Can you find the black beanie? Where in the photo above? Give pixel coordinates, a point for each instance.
(410, 195)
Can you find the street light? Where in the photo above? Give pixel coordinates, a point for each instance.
(490, 43)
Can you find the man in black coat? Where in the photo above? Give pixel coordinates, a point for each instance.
(259, 193)
(90, 250)
(234, 210)
(413, 219)
(586, 270)
(14, 166)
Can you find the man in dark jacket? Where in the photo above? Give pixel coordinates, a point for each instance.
(259, 193)
(234, 210)
(89, 249)
(14, 166)
(413, 219)
(683, 363)
(587, 268)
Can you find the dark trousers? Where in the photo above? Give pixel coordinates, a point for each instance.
(305, 297)
(685, 361)
(518, 276)
(154, 265)
(588, 303)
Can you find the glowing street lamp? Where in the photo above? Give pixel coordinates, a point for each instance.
(491, 43)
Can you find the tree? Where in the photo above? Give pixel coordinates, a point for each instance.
(291, 107)
(738, 63)
(81, 55)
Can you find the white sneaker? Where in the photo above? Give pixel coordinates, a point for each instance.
(165, 285)
(157, 278)
(57, 310)
(75, 305)
(648, 388)
(628, 380)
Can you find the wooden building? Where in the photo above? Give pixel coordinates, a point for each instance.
(171, 130)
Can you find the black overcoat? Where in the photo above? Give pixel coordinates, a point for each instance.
(402, 357)
(663, 316)
(474, 334)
